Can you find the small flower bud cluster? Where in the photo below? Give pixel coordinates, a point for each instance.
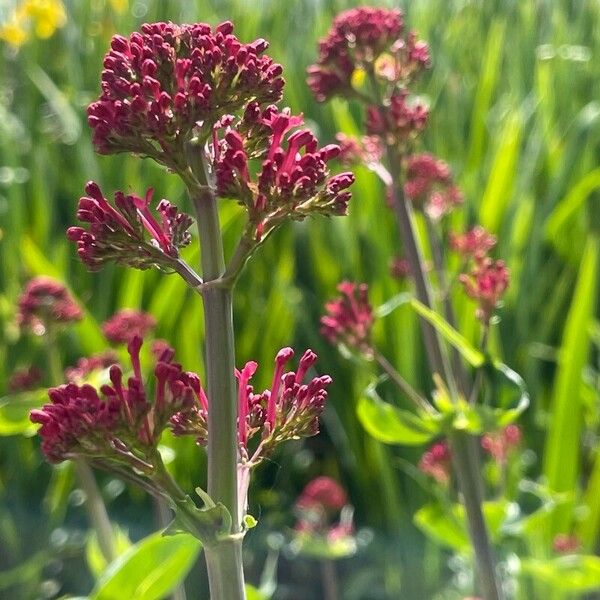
(120, 233)
(293, 180)
(349, 318)
(290, 409)
(429, 186)
(365, 39)
(475, 243)
(160, 84)
(437, 462)
(501, 443)
(117, 424)
(126, 324)
(399, 121)
(45, 302)
(486, 283)
(23, 380)
(565, 543)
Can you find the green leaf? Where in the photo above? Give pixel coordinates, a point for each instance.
(447, 525)
(466, 349)
(94, 557)
(15, 409)
(563, 443)
(150, 570)
(253, 594)
(569, 574)
(392, 425)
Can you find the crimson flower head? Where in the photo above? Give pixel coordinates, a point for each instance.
(429, 185)
(486, 283)
(437, 462)
(120, 423)
(322, 492)
(128, 233)
(123, 326)
(293, 179)
(349, 317)
(365, 39)
(45, 302)
(475, 243)
(160, 84)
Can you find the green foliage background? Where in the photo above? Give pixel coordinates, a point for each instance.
(513, 91)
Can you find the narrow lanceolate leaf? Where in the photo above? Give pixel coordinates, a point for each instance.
(466, 349)
(150, 570)
(562, 452)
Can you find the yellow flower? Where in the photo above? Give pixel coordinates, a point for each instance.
(119, 6)
(13, 32)
(45, 16)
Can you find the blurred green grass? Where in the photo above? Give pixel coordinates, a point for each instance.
(513, 91)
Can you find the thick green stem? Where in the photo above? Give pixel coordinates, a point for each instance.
(464, 449)
(469, 484)
(224, 559)
(94, 503)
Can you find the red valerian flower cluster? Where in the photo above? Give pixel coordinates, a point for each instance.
(323, 492)
(437, 462)
(565, 543)
(486, 283)
(399, 121)
(324, 515)
(119, 424)
(475, 243)
(167, 80)
(290, 409)
(126, 324)
(45, 302)
(293, 180)
(365, 39)
(501, 443)
(121, 234)
(429, 185)
(367, 150)
(349, 318)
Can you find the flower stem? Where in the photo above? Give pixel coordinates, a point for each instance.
(96, 510)
(223, 559)
(330, 580)
(94, 503)
(463, 446)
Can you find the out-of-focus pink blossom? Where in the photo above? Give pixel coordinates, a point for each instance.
(89, 364)
(486, 283)
(362, 39)
(437, 462)
(349, 318)
(499, 444)
(323, 492)
(22, 380)
(565, 543)
(126, 324)
(45, 302)
(475, 243)
(401, 121)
